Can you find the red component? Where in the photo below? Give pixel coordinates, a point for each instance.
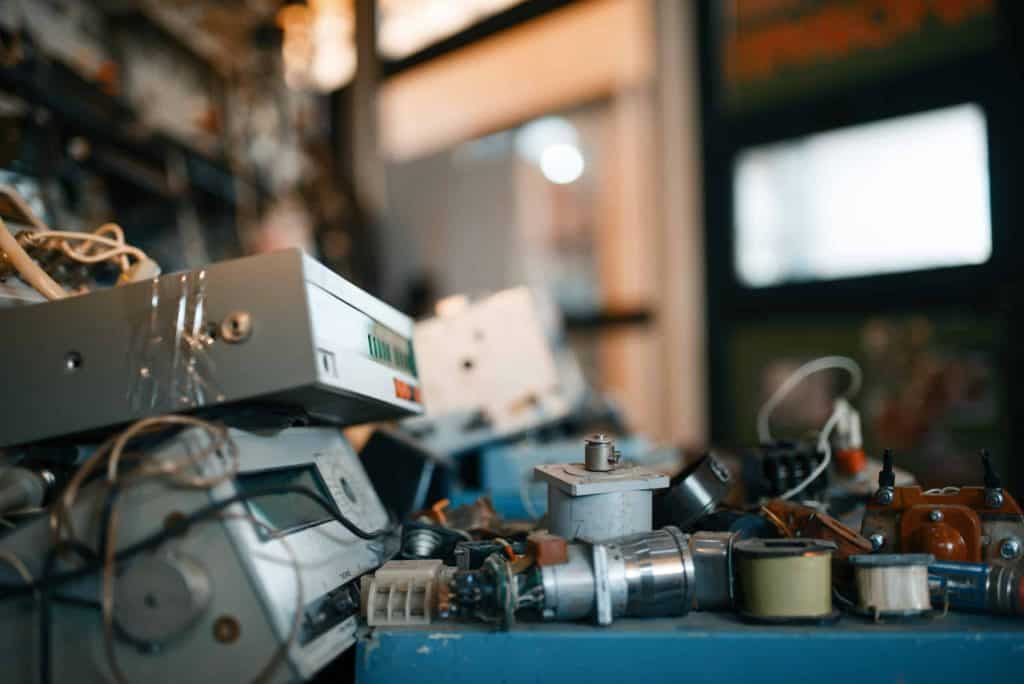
(851, 461)
(942, 541)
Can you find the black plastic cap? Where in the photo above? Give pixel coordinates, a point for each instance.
(992, 480)
(887, 476)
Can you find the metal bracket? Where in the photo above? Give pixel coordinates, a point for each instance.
(602, 587)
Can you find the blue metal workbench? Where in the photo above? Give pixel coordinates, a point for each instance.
(701, 647)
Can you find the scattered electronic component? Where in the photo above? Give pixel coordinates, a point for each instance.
(978, 587)
(222, 538)
(547, 549)
(773, 469)
(471, 555)
(492, 358)
(51, 260)
(645, 574)
(892, 585)
(276, 328)
(785, 580)
(962, 524)
(600, 498)
(404, 592)
(797, 520)
(713, 570)
(422, 540)
(660, 573)
(693, 493)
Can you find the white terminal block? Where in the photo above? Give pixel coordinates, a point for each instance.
(403, 592)
(598, 505)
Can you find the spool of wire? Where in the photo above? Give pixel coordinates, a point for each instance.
(785, 580)
(893, 585)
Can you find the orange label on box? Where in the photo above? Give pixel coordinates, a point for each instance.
(404, 390)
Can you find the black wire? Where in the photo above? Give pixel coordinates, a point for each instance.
(181, 526)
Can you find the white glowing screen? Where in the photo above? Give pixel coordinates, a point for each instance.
(903, 194)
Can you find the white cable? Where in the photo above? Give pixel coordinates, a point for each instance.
(764, 432)
(823, 447)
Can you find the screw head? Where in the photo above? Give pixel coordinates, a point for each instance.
(1010, 548)
(993, 498)
(226, 629)
(877, 541)
(935, 516)
(884, 496)
(236, 327)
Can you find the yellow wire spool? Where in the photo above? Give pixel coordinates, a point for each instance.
(785, 580)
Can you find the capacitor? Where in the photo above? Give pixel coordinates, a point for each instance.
(978, 587)
(892, 585)
(785, 580)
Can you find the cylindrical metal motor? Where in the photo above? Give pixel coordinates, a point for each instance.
(713, 569)
(648, 574)
(599, 499)
(785, 580)
(892, 585)
(694, 493)
(978, 587)
(600, 516)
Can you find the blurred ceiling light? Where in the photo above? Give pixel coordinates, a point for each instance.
(562, 163)
(408, 26)
(536, 136)
(318, 49)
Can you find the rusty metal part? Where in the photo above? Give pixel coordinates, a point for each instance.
(808, 523)
(547, 549)
(804, 521)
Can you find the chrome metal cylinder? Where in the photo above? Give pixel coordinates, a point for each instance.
(712, 561)
(658, 573)
(695, 492)
(1005, 589)
(648, 574)
(569, 587)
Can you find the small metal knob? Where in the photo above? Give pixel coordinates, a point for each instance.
(600, 454)
(885, 496)
(935, 516)
(877, 541)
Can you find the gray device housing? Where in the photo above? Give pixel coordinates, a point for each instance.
(253, 581)
(306, 338)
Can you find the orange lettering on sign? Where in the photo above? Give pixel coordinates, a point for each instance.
(835, 31)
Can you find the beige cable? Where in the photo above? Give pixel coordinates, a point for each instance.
(31, 272)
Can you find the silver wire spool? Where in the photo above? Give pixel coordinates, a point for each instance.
(893, 585)
(785, 580)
